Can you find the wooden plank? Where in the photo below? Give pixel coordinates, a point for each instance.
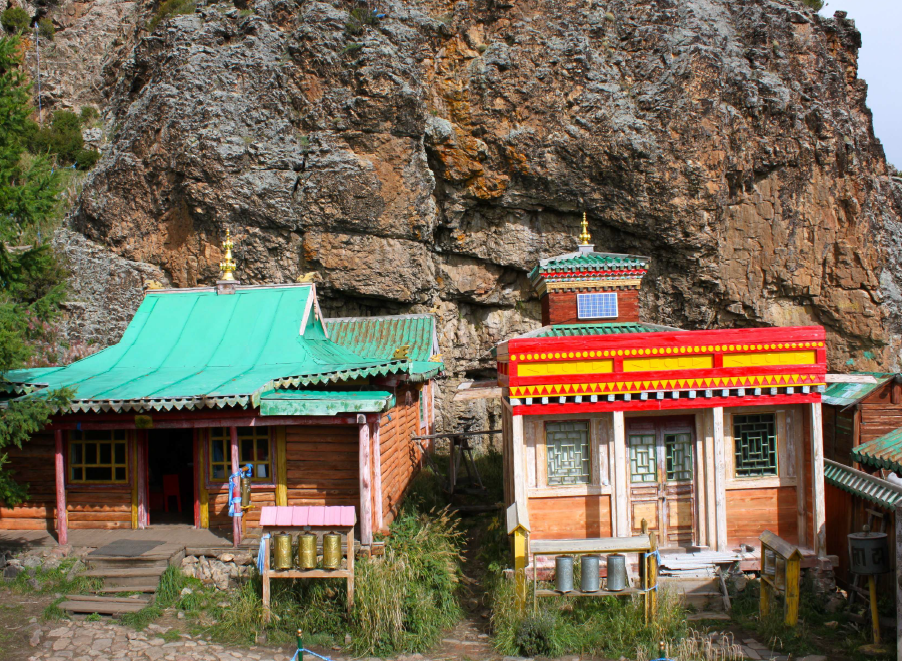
(82, 606)
(634, 544)
(720, 478)
(621, 480)
(62, 523)
(571, 516)
(771, 508)
(819, 513)
(580, 593)
(366, 496)
(850, 378)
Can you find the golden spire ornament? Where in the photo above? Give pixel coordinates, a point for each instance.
(228, 266)
(584, 237)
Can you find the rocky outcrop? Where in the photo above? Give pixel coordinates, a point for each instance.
(425, 156)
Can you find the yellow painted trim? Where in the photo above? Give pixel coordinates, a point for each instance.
(664, 363)
(618, 283)
(521, 549)
(566, 367)
(202, 486)
(281, 468)
(84, 465)
(770, 358)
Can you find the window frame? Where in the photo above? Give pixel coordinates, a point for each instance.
(72, 442)
(590, 481)
(226, 438)
(776, 474)
(586, 295)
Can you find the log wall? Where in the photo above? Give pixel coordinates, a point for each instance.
(32, 464)
(752, 511)
(399, 454)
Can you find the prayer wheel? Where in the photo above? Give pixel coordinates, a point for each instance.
(617, 580)
(868, 552)
(307, 551)
(281, 551)
(245, 492)
(563, 573)
(331, 550)
(588, 576)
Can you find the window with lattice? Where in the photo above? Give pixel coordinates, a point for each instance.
(98, 457)
(253, 448)
(755, 438)
(567, 452)
(678, 448)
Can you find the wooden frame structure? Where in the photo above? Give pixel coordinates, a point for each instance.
(308, 519)
(780, 573)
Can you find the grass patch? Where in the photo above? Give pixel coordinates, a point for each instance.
(172, 582)
(53, 611)
(169, 8)
(59, 579)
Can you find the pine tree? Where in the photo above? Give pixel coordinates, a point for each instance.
(31, 280)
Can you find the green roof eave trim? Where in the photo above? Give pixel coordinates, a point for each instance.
(845, 394)
(883, 452)
(581, 260)
(870, 487)
(318, 402)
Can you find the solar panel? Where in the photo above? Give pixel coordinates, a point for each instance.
(597, 306)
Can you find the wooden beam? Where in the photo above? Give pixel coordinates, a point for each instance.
(478, 390)
(457, 434)
(850, 378)
(720, 481)
(62, 519)
(236, 520)
(127, 421)
(366, 497)
(377, 475)
(621, 483)
(817, 478)
(518, 455)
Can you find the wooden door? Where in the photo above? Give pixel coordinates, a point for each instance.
(662, 479)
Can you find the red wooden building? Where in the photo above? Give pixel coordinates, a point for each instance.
(210, 379)
(710, 436)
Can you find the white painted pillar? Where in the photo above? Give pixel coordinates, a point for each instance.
(365, 468)
(817, 477)
(621, 478)
(377, 474)
(518, 455)
(720, 480)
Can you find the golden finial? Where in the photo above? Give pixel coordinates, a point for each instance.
(584, 237)
(228, 266)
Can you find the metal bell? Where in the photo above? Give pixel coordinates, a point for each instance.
(563, 573)
(617, 579)
(307, 551)
(281, 551)
(331, 551)
(245, 492)
(589, 580)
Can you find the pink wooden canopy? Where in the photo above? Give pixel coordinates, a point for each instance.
(313, 515)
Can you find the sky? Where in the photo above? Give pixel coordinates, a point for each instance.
(880, 24)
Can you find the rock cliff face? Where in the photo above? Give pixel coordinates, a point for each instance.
(425, 159)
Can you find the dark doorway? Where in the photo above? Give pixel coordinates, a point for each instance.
(170, 476)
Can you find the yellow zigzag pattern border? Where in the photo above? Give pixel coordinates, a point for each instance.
(620, 387)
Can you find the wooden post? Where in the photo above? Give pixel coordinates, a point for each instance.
(792, 579)
(720, 480)
(281, 468)
(764, 590)
(133, 477)
(200, 477)
(817, 478)
(644, 564)
(710, 491)
(62, 519)
(236, 520)
(653, 576)
(898, 581)
(377, 474)
(366, 496)
(141, 476)
(621, 483)
(520, 551)
(266, 610)
(519, 463)
(351, 553)
(875, 615)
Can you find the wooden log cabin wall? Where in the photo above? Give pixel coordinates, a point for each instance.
(335, 430)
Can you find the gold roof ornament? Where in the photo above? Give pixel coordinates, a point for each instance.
(228, 266)
(585, 237)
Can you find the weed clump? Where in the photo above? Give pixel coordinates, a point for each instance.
(15, 20)
(169, 8)
(63, 138)
(46, 28)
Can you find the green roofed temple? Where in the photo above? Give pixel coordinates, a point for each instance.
(208, 381)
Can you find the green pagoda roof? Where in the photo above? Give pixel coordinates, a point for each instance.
(195, 348)
(870, 487)
(844, 394)
(883, 452)
(577, 261)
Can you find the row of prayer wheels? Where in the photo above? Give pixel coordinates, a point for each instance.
(303, 555)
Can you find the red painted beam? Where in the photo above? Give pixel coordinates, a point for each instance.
(818, 371)
(665, 404)
(62, 518)
(127, 421)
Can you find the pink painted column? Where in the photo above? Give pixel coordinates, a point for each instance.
(236, 521)
(62, 519)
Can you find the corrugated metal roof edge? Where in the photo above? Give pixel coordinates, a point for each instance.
(832, 471)
(882, 378)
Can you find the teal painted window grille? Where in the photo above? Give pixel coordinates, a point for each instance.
(567, 451)
(755, 438)
(643, 458)
(678, 448)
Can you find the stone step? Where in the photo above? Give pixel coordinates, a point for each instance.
(119, 562)
(148, 588)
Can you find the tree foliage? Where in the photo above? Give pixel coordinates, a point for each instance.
(31, 279)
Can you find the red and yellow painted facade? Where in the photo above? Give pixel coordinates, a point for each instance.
(663, 370)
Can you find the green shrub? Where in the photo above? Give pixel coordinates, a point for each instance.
(816, 5)
(359, 18)
(63, 138)
(85, 159)
(170, 8)
(15, 20)
(46, 28)
(88, 114)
